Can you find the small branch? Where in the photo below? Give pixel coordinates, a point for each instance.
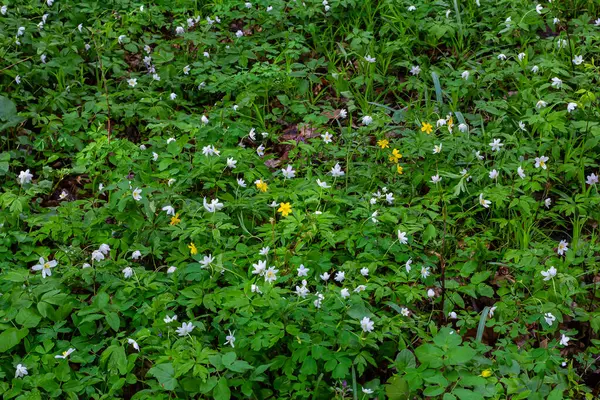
(17, 63)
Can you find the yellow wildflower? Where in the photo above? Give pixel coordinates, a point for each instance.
(486, 373)
(175, 220)
(450, 124)
(400, 169)
(193, 249)
(261, 185)
(383, 143)
(395, 156)
(285, 209)
(427, 128)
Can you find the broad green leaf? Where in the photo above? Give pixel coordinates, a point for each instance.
(11, 337)
(430, 355)
(112, 319)
(221, 391)
(397, 389)
(165, 375)
(28, 318)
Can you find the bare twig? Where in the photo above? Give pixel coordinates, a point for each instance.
(17, 63)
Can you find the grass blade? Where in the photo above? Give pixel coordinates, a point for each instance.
(460, 117)
(481, 327)
(354, 386)
(438, 88)
(457, 11)
(315, 390)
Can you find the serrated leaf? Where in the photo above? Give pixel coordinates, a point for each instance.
(165, 375)
(397, 389)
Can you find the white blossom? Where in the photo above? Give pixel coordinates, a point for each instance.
(496, 145)
(230, 339)
(563, 247)
(483, 202)
(185, 329)
(127, 272)
(25, 177)
(549, 318)
(367, 325)
(337, 171)
(135, 345)
(549, 274)
(21, 371)
(288, 172)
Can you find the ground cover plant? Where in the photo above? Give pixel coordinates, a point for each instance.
(299, 199)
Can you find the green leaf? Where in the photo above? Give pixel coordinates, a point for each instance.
(556, 394)
(11, 337)
(432, 391)
(405, 359)
(8, 109)
(447, 338)
(112, 319)
(358, 311)
(397, 389)
(480, 277)
(468, 268)
(228, 358)
(45, 309)
(464, 394)
(4, 162)
(438, 88)
(240, 366)
(309, 366)
(165, 375)
(222, 391)
(8, 114)
(28, 318)
(430, 355)
(481, 326)
(16, 276)
(115, 359)
(460, 355)
(429, 233)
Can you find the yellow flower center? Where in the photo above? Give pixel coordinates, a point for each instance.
(47, 265)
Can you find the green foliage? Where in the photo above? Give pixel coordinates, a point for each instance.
(300, 200)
